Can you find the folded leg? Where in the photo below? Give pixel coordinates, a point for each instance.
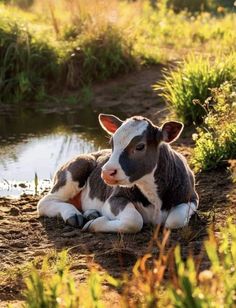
(117, 217)
(178, 216)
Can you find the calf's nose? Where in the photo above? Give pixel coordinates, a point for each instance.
(108, 173)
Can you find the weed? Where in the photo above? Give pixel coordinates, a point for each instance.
(36, 183)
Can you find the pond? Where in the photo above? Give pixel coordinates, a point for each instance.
(34, 144)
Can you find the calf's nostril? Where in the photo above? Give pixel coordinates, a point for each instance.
(113, 172)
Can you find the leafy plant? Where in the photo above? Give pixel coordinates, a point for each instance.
(215, 142)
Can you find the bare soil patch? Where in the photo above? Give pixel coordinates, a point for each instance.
(24, 236)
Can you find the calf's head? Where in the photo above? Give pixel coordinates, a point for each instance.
(134, 147)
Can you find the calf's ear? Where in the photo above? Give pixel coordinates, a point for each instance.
(109, 122)
(171, 131)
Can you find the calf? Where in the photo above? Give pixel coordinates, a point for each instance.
(141, 180)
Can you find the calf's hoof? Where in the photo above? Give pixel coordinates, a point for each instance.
(87, 227)
(91, 214)
(77, 221)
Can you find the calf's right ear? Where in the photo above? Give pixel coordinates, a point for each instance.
(171, 131)
(109, 122)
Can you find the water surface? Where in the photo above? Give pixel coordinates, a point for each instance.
(34, 144)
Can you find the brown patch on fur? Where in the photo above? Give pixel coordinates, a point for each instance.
(76, 201)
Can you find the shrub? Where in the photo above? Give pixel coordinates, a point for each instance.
(192, 6)
(216, 140)
(98, 55)
(186, 88)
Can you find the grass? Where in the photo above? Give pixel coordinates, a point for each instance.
(215, 287)
(27, 65)
(39, 58)
(215, 141)
(187, 87)
(51, 47)
(51, 284)
(163, 35)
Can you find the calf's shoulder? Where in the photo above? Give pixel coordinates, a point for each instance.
(174, 178)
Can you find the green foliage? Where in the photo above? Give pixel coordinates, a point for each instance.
(34, 61)
(98, 56)
(51, 285)
(186, 292)
(27, 64)
(162, 35)
(210, 288)
(73, 43)
(216, 140)
(186, 88)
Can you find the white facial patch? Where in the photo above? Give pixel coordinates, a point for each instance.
(121, 139)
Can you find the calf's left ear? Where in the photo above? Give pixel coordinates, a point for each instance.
(109, 122)
(171, 131)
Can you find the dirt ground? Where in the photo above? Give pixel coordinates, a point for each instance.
(24, 236)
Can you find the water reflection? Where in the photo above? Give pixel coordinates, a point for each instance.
(38, 143)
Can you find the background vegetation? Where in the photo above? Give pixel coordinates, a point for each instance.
(67, 44)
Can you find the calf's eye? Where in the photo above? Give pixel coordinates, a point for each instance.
(140, 147)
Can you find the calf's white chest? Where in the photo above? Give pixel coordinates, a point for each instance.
(89, 203)
(149, 188)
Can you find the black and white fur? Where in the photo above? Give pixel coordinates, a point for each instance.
(144, 181)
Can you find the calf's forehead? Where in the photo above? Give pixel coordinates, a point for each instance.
(127, 131)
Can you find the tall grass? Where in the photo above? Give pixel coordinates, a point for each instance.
(187, 87)
(54, 286)
(27, 65)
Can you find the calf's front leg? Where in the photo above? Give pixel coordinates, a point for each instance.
(55, 203)
(179, 216)
(69, 181)
(51, 206)
(119, 215)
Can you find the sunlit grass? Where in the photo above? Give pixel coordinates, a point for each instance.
(187, 87)
(157, 281)
(77, 42)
